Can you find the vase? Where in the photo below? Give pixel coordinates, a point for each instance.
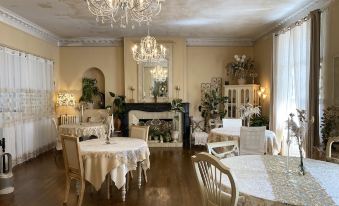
(117, 124)
(175, 136)
(241, 81)
(155, 99)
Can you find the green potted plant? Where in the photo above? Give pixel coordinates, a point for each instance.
(328, 124)
(89, 90)
(176, 106)
(212, 106)
(119, 107)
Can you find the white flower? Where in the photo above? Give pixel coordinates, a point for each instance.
(236, 57)
(244, 57)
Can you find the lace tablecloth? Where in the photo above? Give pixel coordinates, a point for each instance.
(118, 158)
(263, 180)
(84, 129)
(224, 134)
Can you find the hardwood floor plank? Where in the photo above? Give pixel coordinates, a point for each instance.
(171, 182)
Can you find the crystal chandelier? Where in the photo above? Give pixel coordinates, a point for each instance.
(159, 73)
(121, 11)
(149, 51)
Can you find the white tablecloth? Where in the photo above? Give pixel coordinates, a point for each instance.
(119, 157)
(84, 129)
(263, 180)
(224, 134)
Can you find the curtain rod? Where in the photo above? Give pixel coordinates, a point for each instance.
(25, 52)
(291, 26)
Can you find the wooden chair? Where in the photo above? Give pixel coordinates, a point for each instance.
(253, 141)
(329, 157)
(210, 172)
(73, 165)
(140, 132)
(229, 148)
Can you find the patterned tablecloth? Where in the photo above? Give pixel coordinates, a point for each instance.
(224, 134)
(263, 180)
(84, 129)
(118, 158)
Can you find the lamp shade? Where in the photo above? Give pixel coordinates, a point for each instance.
(65, 99)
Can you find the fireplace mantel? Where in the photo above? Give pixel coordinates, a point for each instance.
(157, 107)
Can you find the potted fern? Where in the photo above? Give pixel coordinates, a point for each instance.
(89, 90)
(119, 107)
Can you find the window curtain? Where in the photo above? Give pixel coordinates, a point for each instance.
(26, 104)
(291, 73)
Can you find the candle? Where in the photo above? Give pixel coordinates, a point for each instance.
(82, 112)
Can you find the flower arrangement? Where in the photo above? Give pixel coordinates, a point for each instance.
(241, 67)
(247, 111)
(298, 131)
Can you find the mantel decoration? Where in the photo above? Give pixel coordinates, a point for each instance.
(149, 51)
(298, 131)
(247, 111)
(122, 11)
(241, 68)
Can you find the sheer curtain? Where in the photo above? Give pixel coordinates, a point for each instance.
(290, 76)
(26, 104)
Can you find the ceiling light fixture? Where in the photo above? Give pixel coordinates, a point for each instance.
(122, 11)
(149, 51)
(159, 73)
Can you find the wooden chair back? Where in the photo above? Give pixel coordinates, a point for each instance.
(210, 172)
(329, 157)
(72, 157)
(253, 141)
(140, 132)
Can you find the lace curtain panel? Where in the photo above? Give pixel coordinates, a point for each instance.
(291, 73)
(26, 104)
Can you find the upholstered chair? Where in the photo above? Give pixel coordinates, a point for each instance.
(253, 141)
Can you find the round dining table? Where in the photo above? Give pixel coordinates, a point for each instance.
(227, 134)
(265, 180)
(121, 155)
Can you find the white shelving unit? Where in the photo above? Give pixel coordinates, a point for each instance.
(239, 95)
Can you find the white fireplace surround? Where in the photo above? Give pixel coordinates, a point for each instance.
(135, 115)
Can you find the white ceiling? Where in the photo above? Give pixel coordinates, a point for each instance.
(185, 18)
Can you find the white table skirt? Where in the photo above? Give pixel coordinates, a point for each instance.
(117, 158)
(84, 129)
(263, 180)
(224, 134)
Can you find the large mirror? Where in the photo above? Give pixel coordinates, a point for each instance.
(155, 79)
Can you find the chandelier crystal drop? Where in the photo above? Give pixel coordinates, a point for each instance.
(122, 11)
(149, 51)
(159, 73)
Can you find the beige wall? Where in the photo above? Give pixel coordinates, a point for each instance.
(179, 61)
(22, 41)
(263, 56)
(203, 63)
(75, 61)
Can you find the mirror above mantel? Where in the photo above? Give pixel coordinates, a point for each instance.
(156, 77)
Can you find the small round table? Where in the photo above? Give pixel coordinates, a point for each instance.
(84, 129)
(122, 155)
(263, 180)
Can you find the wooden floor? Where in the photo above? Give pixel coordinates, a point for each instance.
(171, 182)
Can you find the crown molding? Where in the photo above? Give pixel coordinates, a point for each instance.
(218, 42)
(90, 42)
(295, 16)
(10, 18)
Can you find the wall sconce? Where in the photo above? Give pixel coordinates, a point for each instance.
(262, 93)
(177, 89)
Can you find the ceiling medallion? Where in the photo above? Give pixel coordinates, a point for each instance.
(122, 11)
(149, 51)
(159, 73)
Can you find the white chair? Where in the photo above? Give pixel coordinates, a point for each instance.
(68, 119)
(232, 124)
(140, 132)
(223, 149)
(210, 172)
(253, 141)
(198, 134)
(329, 157)
(73, 165)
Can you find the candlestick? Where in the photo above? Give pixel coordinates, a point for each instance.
(82, 112)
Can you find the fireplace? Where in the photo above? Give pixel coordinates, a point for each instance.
(139, 112)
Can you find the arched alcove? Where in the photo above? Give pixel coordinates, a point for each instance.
(96, 73)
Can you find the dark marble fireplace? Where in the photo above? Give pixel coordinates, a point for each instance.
(158, 107)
